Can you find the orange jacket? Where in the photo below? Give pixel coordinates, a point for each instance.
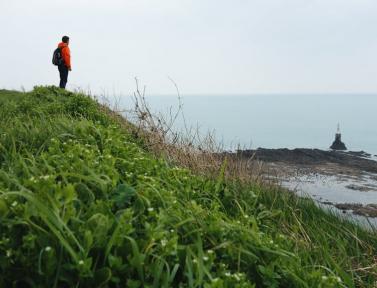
(66, 53)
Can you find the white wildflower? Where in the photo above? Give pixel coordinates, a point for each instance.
(236, 277)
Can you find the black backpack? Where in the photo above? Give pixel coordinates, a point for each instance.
(57, 57)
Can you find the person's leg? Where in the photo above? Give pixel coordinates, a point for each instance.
(63, 71)
(61, 76)
(65, 79)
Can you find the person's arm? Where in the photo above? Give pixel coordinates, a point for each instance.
(66, 53)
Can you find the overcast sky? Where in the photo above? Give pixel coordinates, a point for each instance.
(206, 46)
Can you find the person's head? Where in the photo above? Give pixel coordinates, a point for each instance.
(65, 39)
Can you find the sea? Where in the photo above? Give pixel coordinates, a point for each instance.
(275, 121)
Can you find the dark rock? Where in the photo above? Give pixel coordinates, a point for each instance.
(348, 206)
(310, 157)
(327, 203)
(360, 154)
(359, 188)
(369, 210)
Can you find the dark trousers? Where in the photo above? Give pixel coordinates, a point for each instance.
(63, 71)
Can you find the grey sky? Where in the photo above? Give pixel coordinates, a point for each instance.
(206, 46)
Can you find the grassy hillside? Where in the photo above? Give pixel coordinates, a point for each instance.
(82, 204)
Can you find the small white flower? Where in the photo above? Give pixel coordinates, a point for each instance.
(205, 258)
(14, 204)
(236, 277)
(150, 209)
(171, 230)
(81, 262)
(210, 251)
(48, 249)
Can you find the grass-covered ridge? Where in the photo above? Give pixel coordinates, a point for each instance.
(82, 204)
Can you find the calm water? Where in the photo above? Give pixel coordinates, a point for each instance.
(277, 121)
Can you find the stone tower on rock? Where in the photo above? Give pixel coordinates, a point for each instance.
(338, 144)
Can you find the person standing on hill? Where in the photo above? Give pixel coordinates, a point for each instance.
(64, 65)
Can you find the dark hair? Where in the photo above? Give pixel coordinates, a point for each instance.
(65, 39)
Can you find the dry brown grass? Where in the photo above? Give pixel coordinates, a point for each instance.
(200, 153)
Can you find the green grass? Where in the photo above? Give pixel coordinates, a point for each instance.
(9, 95)
(82, 204)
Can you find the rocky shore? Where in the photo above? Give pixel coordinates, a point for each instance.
(355, 171)
(359, 161)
